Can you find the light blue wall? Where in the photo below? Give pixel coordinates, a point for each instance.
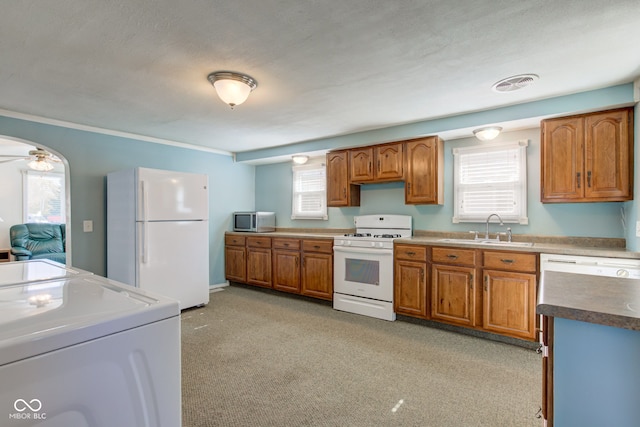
(92, 156)
(273, 193)
(631, 208)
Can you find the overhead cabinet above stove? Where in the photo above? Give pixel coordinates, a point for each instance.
(417, 162)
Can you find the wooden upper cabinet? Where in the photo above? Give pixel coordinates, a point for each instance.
(389, 162)
(361, 164)
(340, 192)
(424, 183)
(377, 163)
(587, 158)
(609, 155)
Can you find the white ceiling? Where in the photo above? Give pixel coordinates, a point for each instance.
(324, 68)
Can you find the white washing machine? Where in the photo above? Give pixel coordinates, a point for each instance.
(81, 350)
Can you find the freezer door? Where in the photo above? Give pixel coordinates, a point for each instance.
(166, 195)
(173, 260)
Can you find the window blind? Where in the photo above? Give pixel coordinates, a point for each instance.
(309, 192)
(490, 179)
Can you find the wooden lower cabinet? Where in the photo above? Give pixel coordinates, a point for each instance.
(286, 270)
(509, 303)
(410, 280)
(453, 294)
(259, 267)
(493, 291)
(299, 266)
(317, 269)
(235, 258)
(410, 292)
(286, 264)
(259, 261)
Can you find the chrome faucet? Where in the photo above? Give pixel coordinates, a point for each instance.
(486, 234)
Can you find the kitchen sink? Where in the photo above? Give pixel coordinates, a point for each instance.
(487, 242)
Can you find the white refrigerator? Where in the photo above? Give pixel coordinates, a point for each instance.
(158, 232)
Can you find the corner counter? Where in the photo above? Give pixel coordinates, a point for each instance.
(592, 349)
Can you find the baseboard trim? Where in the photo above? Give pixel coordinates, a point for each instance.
(218, 287)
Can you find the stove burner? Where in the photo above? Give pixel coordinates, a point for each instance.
(387, 236)
(358, 235)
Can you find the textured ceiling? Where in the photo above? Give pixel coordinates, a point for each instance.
(323, 68)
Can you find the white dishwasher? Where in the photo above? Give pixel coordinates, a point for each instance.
(593, 266)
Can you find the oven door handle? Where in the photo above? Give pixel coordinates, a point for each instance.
(349, 250)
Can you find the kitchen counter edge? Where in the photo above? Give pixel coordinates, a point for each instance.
(609, 301)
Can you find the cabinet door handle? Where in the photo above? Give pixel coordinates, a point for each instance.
(486, 283)
(411, 253)
(589, 179)
(344, 191)
(370, 167)
(316, 246)
(286, 244)
(421, 274)
(378, 165)
(471, 281)
(578, 179)
(452, 256)
(507, 261)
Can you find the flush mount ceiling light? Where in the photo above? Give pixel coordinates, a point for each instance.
(487, 133)
(514, 83)
(299, 159)
(232, 88)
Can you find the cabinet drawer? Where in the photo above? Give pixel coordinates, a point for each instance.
(232, 240)
(513, 261)
(259, 242)
(279, 243)
(324, 246)
(410, 252)
(453, 256)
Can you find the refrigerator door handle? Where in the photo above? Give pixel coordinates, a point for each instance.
(145, 209)
(145, 246)
(145, 201)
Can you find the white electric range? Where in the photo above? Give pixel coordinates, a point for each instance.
(363, 265)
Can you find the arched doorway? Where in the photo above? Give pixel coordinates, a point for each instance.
(23, 163)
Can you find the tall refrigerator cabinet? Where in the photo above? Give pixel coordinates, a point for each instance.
(158, 233)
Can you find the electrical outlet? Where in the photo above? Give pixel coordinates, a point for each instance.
(637, 228)
(87, 226)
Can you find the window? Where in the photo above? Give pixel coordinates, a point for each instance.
(309, 192)
(44, 199)
(491, 178)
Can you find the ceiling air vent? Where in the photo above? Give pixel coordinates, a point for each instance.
(513, 83)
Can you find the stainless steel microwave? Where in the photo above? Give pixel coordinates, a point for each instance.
(255, 222)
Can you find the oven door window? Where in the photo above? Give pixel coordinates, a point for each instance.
(362, 271)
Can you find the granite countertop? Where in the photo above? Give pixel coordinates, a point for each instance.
(290, 234)
(571, 247)
(609, 301)
(598, 247)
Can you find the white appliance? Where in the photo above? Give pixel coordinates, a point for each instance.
(363, 265)
(594, 266)
(158, 232)
(82, 350)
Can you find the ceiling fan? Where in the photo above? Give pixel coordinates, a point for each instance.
(38, 159)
